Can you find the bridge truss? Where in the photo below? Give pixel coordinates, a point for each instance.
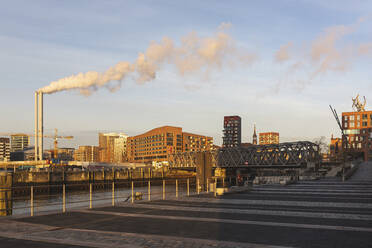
(290, 154)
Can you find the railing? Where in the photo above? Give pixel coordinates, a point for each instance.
(64, 197)
(40, 198)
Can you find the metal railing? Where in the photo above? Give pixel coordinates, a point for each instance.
(63, 197)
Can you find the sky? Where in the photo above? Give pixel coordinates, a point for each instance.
(303, 56)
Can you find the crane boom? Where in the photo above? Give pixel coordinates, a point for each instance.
(337, 119)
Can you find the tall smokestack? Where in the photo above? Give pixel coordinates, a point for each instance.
(41, 126)
(36, 126)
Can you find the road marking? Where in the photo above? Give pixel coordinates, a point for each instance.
(283, 203)
(244, 222)
(290, 213)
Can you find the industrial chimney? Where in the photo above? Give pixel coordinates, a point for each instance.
(39, 127)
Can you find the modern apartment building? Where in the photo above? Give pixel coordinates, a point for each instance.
(4, 149)
(232, 132)
(269, 138)
(106, 143)
(87, 154)
(156, 144)
(19, 142)
(358, 129)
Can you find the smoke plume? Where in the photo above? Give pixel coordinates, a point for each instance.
(283, 53)
(327, 52)
(194, 55)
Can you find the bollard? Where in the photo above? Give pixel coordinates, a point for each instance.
(90, 196)
(64, 199)
(207, 185)
(149, 192)
(113, 194)
(32, 201)
(163, 189)
(132, 192)
(215, 187)
(176, 188)
(198, 186)
(223, 182)
(188, 186)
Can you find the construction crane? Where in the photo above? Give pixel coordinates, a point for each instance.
(55, 137)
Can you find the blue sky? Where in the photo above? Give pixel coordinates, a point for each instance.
(43, 41)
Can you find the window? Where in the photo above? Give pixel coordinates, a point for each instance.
(351, 117)
(358, 117)
(364, 116)
(364, 124)
(351, 124)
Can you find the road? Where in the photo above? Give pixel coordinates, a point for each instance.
(324, 213)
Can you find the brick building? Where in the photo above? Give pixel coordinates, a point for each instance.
(156, 144)
(357, 127)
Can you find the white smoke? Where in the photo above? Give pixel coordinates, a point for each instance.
(283, 53)
(193, 55)
(327, 52)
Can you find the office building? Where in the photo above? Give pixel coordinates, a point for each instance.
(120, 148)
(156, 144)
(19, 142)
(269, 138)
(106, 144)
(4, 149)
(87, 154)
(232, 133)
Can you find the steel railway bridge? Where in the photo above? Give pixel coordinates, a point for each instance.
(299, 154)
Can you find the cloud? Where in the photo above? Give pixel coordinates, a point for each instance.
(283, 53)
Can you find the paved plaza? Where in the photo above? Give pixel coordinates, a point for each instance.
(323, 213)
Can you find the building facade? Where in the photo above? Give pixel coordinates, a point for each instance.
(232, 131)
(106, 144)
(87, 154)
(357, 128)
(156, 144)
(120, 148)
(4, 149)
(66, 154)
(269, 138)
(19, 142)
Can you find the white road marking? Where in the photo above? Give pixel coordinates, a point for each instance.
(244, 222)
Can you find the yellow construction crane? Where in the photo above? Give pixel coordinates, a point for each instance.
(55, 137)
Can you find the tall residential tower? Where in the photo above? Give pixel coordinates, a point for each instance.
(232, 131)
